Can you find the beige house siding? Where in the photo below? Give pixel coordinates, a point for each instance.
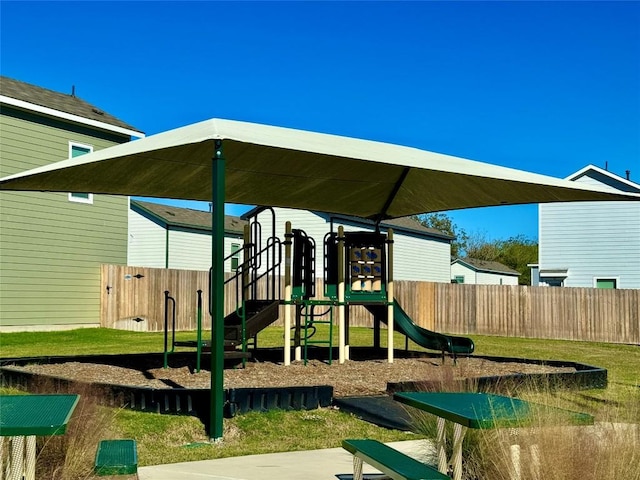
(51, 248)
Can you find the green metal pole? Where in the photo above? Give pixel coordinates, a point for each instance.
(199, 332)
(217, 292)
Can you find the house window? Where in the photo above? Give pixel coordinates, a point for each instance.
(553, 281)
(75, 150)
(459, 279)
(235, 259)
(609, 283)
(552, 277)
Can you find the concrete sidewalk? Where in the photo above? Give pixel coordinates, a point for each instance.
(326, 464)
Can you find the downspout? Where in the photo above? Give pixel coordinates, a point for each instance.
(166, 248)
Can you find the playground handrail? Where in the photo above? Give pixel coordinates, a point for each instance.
(273, 259)
(245, 290)
(168, 299)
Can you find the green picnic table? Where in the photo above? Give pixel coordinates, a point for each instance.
(481, 411)
(22, 418)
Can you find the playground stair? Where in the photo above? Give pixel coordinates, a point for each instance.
(204, 344)
(259, 314)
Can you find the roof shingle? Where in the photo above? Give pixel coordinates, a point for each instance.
(488, 266)
(189, 218)
(58, 101)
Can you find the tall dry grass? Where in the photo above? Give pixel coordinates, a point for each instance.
(548, 448)
(72, 455)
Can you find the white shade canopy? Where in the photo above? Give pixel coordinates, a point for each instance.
(276, 166)
(272, 166)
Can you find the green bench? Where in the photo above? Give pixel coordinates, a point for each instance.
(391, 462)
(116, 457)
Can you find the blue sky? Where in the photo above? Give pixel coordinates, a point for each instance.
(547, 87)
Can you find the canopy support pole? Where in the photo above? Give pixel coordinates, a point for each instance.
(217, 292)
(396, 188)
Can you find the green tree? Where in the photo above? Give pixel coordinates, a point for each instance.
(443, 223)
(515, 252)
(478, 246)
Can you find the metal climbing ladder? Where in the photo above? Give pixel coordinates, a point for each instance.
(304, 290)
(311, 319)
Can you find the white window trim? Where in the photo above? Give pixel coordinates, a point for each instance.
(88, 200)
(606, 277)
(554, 272)
(235, 256)
(72, 198)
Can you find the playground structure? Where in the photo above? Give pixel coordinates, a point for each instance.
(357, 270)
(256, 289)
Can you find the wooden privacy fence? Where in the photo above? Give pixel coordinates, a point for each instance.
(588, 314)
(133, 299)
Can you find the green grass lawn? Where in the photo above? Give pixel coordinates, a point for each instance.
(165, 438)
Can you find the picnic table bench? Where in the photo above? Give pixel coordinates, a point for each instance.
(391, 462)
(116, 457)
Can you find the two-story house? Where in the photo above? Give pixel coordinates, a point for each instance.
(52, 244)
(590, 244)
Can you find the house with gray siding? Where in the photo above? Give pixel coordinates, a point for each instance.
(52, 244)
(590, 244)
(482, 272)
(162, 236)
(420, 253)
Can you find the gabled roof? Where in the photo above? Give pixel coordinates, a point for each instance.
(186, 217)
(486, 266)
(402, 224)
(607, 178)
(405, 224)
(31, 97)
